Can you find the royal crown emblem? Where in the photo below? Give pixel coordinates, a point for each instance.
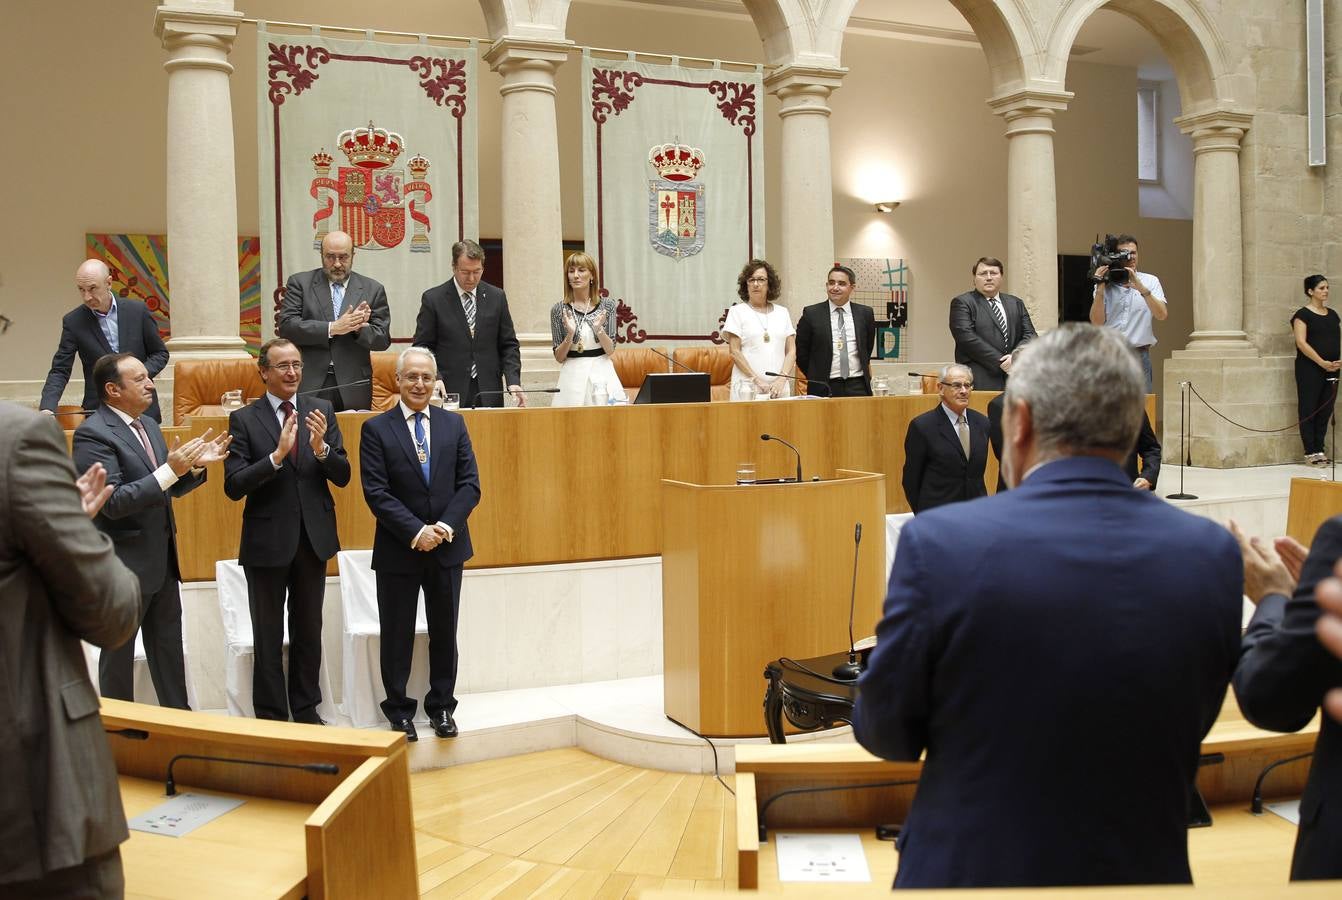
(676, 162)
(373, 197)
(676, 212)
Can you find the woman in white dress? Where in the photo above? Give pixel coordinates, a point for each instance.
(760, 334)
(582, 329)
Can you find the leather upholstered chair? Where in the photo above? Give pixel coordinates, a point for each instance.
(713, 359)
(385, 391)
(198, 383)
(633, 364)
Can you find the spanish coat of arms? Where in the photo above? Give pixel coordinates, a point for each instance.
(373, 197)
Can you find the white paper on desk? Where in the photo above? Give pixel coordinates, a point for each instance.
(183, 814)
(820, 857)
(1287, 809)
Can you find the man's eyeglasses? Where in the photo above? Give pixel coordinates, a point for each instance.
(287, 366)
(416, 378)
(958, 385)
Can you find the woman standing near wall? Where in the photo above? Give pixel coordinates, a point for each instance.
(582, 329)
(1318, 357)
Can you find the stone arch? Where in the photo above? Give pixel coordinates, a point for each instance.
(1185, 33)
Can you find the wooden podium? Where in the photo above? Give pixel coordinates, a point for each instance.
(754, 572)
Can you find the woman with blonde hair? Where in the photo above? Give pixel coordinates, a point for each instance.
(582, 328)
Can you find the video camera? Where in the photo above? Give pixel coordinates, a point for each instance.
(1108, 254)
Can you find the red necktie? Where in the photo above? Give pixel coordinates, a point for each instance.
(144, 439)
(286, 407)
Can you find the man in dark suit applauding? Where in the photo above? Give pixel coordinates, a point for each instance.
(835, 339)
(1068, 627)
(989, 326)
(336, 316)
(104, 324)
(466, 323)
(285, 450)
(420, 481)
(946, 448)
(1284, 673)
(61, 581)
(145, 475)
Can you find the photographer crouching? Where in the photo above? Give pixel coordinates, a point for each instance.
(1125, 298)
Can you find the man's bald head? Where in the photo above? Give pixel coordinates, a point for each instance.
(93, 278)
(337, 256)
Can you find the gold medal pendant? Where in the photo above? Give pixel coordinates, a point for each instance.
(423, 457)
(766, 337)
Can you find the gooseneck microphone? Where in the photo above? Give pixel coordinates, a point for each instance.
(334, 388)
(675, 362)
(510, 393)
(770, 437)
(170, 786)
(829, 392)
(848, 671)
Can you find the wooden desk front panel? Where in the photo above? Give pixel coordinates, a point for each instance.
(561, 485)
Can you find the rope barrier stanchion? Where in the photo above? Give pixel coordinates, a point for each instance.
(1332, 454)
(1185, 414)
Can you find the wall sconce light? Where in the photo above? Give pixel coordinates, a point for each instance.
(886, 206)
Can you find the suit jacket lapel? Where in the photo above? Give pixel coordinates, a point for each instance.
(437, 442)
(826, 329)
(402, 429)
(948, 432)
(123, 327)
(96, 324)
(353, 292)
(458, 313)
(321, 289)
(127, 436)
(269, 418)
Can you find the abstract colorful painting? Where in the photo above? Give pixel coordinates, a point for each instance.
(139, 264)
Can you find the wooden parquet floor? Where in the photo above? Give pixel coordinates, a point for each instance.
(564, 823)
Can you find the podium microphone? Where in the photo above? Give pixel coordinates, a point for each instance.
(770, 437)
(829, 392)
(675, 362)
(509, 393)
(170, 786)
(848, 671)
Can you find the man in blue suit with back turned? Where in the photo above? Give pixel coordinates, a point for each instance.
(1059, 650)
(420, 481)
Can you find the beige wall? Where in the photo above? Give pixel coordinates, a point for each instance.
(909, 123)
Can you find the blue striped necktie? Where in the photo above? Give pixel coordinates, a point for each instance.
(421, 446)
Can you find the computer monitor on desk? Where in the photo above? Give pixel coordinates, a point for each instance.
(675, 387)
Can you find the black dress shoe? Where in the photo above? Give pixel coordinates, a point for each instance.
(443, 725)
(406, 727)
(310, 720)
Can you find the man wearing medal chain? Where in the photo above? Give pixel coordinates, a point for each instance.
(835, 339)
(420, 481)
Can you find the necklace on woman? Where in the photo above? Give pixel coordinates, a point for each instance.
(764, 320)
(577, 331)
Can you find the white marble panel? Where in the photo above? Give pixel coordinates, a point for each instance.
(640, 620)
(544, 640)
(601, 605)
(482, 632)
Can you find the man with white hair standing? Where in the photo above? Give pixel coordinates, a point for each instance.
(1059, 650)
(420, 481)
(103, 323)
(946, 448)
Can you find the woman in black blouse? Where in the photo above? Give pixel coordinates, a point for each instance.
(1318, 357)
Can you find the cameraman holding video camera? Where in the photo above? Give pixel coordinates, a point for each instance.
(1125, 298)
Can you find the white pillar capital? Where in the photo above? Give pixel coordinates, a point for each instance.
(1030, 111)
(1215, 131)
(527, 65)
(197, 37)
(804, 90)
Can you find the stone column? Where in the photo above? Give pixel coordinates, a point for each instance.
(807, 195)
(1032, 209)
(202, 189)
(532, 227)
(1218, 251)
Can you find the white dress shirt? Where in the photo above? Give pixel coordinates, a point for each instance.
(164, 474)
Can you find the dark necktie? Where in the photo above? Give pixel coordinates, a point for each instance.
(468, 306)
(286, 408)
(144, 439)
(1000, 319)
(421, 446)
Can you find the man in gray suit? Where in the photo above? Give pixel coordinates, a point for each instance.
(145, 475)
(61, 820)
(989, 326)
(336, 317)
